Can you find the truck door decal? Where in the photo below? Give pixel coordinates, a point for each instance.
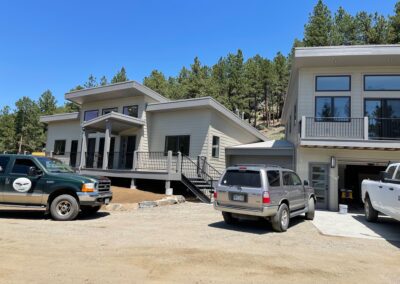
(22, 184)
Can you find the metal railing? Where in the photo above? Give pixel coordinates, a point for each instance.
(333, 127)
(384, 128)
(193, 171)
(156, 161)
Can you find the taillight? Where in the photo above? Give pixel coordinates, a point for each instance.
(266, 198)
(215, 194)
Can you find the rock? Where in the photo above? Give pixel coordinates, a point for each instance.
(166, 201)
(180, 198)
(148, 204)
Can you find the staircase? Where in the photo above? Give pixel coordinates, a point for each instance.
(200, 178)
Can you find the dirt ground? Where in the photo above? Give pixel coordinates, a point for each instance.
(186, 243)
(126, 195)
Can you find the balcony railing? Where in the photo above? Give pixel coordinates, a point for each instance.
(353, 128)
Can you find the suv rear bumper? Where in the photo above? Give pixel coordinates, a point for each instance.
(94, 198)
(266, 211)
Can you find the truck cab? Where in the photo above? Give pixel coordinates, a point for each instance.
(27, 180)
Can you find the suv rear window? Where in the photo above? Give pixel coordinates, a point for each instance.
(273, 178)
(3, 163)
(242, 178)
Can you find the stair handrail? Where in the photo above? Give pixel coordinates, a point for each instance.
(199, 169)
(214, 170)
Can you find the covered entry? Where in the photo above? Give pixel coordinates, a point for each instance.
(273, 152)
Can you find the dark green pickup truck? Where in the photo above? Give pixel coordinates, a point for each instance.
(46, 182)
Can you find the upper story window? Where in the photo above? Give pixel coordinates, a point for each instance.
(215, 147)
(337, 83)
(108, 110)
(381, 82)
(131, 110)
(333, 109)
(91, 114)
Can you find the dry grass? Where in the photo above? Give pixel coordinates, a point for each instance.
(126, 195)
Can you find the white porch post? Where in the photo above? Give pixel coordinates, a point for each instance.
(179, 163)
(83, 148)
(366, 128)
(168, 189)
(303, 127)
(107, 143)
(135, 160)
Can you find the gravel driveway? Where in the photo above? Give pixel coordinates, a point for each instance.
(183, 243)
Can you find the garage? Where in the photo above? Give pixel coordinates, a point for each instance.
(273, 152)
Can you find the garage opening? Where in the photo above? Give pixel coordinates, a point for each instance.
(350, 179)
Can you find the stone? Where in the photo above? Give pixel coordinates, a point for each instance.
(148, 204)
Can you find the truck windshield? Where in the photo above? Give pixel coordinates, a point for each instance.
(242, 178)
(55, 166)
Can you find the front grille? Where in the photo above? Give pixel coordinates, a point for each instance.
(104, 185)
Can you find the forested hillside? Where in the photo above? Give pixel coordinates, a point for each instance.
(254, 87)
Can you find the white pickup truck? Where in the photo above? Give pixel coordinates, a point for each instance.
(382, 196)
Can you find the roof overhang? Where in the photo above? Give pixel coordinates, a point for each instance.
(266, 148)
(205, 102)
(59, 117)
(114, 91)
(119, 122)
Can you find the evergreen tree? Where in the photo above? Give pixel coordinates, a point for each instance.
(103, 81)
(318, 29)
(379, 31)
(91, 82)
(363, 23)
(120, 76)
(7, 130)
(47, 103)
(394, 25)
(343, 29)
(157, 82)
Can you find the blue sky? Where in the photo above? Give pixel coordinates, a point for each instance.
(56, 44)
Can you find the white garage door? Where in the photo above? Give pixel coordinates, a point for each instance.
(284, 161)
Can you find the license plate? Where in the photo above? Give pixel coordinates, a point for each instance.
(238, 197)
(107, 200)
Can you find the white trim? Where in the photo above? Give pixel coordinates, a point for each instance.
(59, 117)
(351, 144)
(115, 116)
(352, 50)
(206, 102)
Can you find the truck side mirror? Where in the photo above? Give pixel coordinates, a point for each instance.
(305, 183)
(384, 176)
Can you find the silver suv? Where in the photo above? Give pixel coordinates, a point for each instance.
(260, 191)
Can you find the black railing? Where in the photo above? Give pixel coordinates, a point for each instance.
(384, 128)
(156, 161)
(120, 160)
(193, 171)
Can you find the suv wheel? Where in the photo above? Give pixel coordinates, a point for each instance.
(280, 222)
(64, 208)
(89, 210)
(370, 213)
(229, 219)
(311, 209)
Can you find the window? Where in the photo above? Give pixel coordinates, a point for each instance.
(273, 178)
(290, 179)
(242, 178)
(59, 147)
(108, 110)
(332, 83)
(3, 163)
(90, 114)
(391, 171)
(21, 166)
(215, 147)
(177, 144)
(381, 82)
(333, 109)
(131, 110)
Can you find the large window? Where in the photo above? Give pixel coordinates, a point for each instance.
(131, 110)
(242, 178)
(59, 147)
(333, 109)
(108, 110)
(177, 144)
(384, 118)
(381, 82)
(215, 147)
(21, 166)
(91, 114)
(332, 83)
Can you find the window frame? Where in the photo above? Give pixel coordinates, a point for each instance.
(279, 178)
(379, 75)
(331, 76)
(126, 107)
(65, 145)
(178, 144)
(15, 161)
(113, 109)
(93, 110)
(331, 119)
(215, 146)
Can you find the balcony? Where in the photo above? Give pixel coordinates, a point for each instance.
(338, 131)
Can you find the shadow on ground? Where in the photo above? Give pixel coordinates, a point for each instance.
(260, 227)
(41, 215)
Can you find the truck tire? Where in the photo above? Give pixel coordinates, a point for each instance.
(64, 208)
(229, 219)
(311, 209)
(280, 222)
(370, 213)
(90, 210)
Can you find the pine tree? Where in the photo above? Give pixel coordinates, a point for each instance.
(7, 130)
(363, 23)
(91, 82)
(379, 31)
(157, 82)
(394, 26)
(103, 81)
(343, 29)
(120, 76)
(47, 103)
(318, 29)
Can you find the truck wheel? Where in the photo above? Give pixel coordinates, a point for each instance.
(280, 222)
(370, 213)
(64, 208)
(229, 219)
(311, 209)
(89, 210)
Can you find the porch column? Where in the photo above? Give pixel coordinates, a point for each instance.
(83, 149)
(107, 143)
(366, 128)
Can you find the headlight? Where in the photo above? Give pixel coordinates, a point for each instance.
(88, 187)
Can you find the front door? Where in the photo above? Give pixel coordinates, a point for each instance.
(20, 188)
(74, 153)
(319, 178)
(91, 149)
(127, 148)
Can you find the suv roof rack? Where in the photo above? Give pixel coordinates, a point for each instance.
(258, 165)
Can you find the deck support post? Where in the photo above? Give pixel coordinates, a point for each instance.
(107, 143)
(168, 189)
(133, 185)
(82, 163)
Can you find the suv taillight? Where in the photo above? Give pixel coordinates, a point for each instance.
(266, 198)
(215, 194)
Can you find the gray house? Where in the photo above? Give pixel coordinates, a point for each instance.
(127, 130)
